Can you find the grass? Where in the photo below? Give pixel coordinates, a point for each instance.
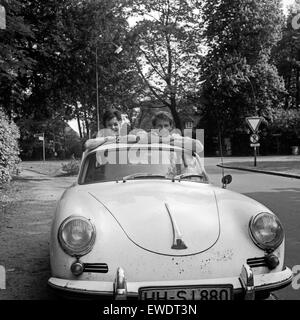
(50, 168)
(9, 192)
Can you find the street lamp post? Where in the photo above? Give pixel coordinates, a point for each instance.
(118, 50)
(97, 92)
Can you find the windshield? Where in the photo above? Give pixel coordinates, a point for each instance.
(141, 163)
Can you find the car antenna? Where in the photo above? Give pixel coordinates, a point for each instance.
(221, 154)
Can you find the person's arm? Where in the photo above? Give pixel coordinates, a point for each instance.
(188, 143)
(94, 143)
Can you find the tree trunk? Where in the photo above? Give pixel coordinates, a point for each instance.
(87, 126)
(298, 89)
(79, 126)
(78, 120)
(288, 88)
(173, 103)
(175, 114)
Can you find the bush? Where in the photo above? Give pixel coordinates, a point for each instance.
(9, 148)
(287, 123)
(71, 168)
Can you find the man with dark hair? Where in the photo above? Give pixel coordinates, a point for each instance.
(163, 125)
(163, 120)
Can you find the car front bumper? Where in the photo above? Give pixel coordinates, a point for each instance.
(246, 285)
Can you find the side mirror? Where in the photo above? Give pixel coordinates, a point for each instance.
(226, 180)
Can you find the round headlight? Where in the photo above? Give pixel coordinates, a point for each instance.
(76, 236)
(266, 231)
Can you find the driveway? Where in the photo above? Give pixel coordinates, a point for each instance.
(24, 234)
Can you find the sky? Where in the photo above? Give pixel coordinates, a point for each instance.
(286, 3)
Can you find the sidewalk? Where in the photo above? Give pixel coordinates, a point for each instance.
(285, 166)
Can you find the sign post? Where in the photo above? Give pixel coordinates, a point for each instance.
(41, 137)
(254, 123)
(2, 18)
(44, 151)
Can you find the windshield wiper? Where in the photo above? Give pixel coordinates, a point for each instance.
(188, 175)
(143, 175)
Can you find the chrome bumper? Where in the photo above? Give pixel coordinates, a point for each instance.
(247, 281)
(247, 284)
(120, 285)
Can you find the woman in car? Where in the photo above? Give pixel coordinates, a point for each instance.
(112, 126)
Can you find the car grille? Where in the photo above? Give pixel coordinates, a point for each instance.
(95, 267)
(257, 262)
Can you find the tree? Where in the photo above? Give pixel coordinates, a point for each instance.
(94, 30)
(16, 64)
(69, 35)
(49, 51)
(240, 77)
(167, 43)
(287, 57)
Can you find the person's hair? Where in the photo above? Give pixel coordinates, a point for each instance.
(162, 115)
(110, 114)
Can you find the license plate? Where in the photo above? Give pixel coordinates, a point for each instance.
(187, 293)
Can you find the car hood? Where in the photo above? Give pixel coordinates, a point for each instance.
(163, 217)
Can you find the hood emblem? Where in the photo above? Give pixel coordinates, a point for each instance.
(178, 243)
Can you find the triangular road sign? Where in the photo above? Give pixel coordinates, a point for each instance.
(254, 123)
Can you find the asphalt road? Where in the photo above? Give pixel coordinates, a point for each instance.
(25, 225)
(282, 196)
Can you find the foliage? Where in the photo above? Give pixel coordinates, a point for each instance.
(182, 54)
(167, 45)
(48, 63)
(60, 140)
(71, 168)
(9, 149)
(16, 64)
(287, 57)
(287, 122)
(240, 77)
(94, 30)
(72, 143)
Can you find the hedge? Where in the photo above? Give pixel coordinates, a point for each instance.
(9, 148)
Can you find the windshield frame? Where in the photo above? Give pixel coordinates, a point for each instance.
(84, 164)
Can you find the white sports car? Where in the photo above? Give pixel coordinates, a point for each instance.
(143, 222)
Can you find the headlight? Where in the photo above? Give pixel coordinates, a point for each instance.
(76, 236)
(266, 231)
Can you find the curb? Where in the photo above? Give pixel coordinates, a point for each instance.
(273, 173)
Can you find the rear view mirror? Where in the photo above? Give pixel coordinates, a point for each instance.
(226, 180)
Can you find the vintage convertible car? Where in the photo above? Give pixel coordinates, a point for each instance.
(143, 222)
